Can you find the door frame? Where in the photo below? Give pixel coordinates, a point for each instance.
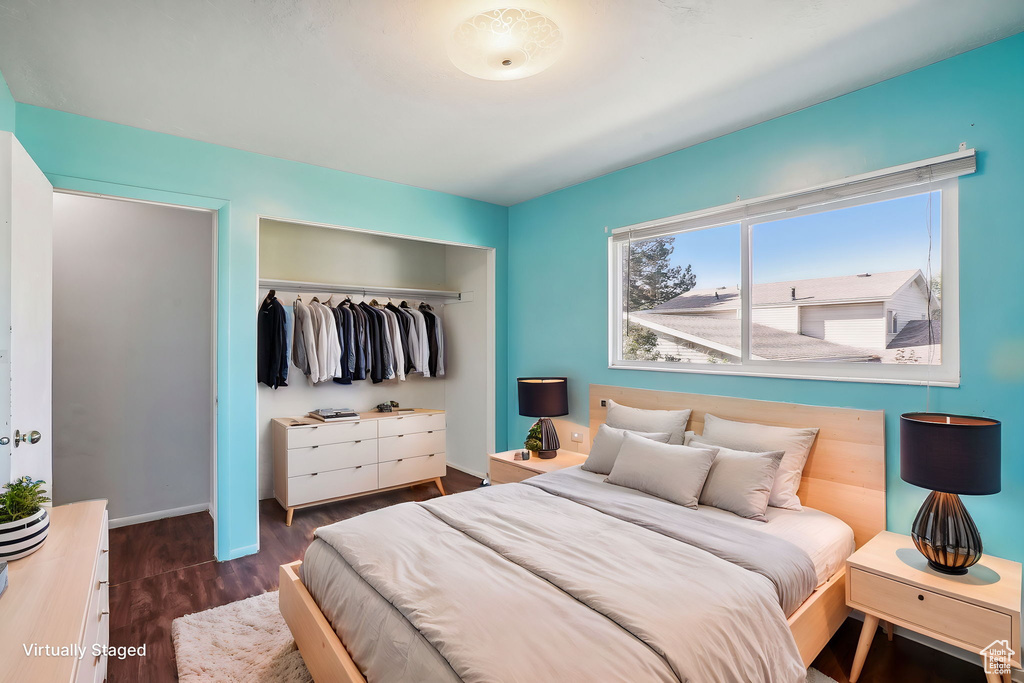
(218, 208)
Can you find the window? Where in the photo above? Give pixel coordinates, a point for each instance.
(855, 281)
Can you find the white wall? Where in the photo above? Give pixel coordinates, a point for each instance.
(132, 359)
(781, 318)
(317, 254)
(910, 302)
(858, 325)
(469, 382)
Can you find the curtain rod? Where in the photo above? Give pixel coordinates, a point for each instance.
(447, 296)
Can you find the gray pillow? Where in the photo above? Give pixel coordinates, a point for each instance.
(740, 481)
(607, 444)
(640, 420)
(747, 436)
(674, 473)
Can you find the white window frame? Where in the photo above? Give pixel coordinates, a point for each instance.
(947, 373)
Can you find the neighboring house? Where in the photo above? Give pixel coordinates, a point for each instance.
(855, 318)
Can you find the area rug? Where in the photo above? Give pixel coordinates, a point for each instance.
(249, 641)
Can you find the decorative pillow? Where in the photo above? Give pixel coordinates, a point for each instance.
(740, 481)
(607, 444)
(673, 472)
(657, 421)
(744, 436)
(688, 437)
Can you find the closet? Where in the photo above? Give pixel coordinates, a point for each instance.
(335, 265)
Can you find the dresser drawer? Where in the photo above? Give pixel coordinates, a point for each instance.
(410, 445)
(337, 432)
(398, 472)
(332, 456)
(411, 424)
(962, 621)
(504, 473)
(308, 488)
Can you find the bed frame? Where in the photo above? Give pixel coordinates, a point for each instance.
(844, 476)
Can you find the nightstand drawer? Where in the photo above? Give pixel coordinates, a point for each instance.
(504, 473)
(955, 619)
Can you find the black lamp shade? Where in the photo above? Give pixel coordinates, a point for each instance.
(951, 453)
(543, 396)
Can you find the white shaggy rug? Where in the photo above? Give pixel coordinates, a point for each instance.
(248, 641)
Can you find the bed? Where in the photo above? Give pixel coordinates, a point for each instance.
(597, 595)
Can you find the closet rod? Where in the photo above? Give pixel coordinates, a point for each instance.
(365, 290)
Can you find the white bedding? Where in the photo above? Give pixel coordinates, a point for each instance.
(826, 539)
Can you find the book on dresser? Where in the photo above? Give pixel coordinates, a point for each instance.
(317, 462)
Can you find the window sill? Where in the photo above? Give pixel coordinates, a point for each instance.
(739, 371)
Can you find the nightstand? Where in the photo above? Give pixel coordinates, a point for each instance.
(889, 579)
(504, 470)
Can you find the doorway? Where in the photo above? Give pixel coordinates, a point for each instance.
(134, 356)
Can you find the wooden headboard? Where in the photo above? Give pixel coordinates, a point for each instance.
(845, 473)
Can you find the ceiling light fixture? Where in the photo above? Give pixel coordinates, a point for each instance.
(505, 44)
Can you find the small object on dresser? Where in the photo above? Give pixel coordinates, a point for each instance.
(387, 407)
(3, 577)
(525, 455)
(333, 414)
(518, 455)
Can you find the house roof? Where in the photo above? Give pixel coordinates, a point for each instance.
(915, 333)
(723, 334)
(841, 289)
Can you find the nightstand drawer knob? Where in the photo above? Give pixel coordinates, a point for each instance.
(920, 597)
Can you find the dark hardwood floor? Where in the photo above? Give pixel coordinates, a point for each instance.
(165, 569)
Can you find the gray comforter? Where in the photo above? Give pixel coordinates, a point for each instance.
(563, 579)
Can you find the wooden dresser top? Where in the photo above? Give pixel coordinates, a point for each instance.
(47, 599)
(374, 415)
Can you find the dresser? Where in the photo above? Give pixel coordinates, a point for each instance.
(321, 462)
(58, 596)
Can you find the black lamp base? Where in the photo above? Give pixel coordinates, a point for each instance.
(946, 535)
(549, 439)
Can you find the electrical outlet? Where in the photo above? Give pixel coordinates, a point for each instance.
(604, 403)
(577, 437)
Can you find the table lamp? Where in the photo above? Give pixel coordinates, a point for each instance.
(951, 455)
(544, 398)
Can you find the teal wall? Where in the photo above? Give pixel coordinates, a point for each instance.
(7, 106)
(85, 154)
(558, 251)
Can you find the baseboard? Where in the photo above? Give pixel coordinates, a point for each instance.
(478, 475)
(945, 648)
(160, 514)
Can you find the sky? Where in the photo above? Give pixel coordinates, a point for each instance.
(871, 238)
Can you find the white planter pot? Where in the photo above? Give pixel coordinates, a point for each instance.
(24, 537)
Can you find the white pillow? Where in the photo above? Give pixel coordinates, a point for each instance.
(656, 421)
(674, 473)
(740, 481)
(607, 443)
(688, 437)
(744, 436)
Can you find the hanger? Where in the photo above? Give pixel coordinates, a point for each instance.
(270, 295)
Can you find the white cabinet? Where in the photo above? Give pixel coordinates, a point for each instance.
(317, 462)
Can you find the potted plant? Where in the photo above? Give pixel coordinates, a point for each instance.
(534, 440)
(24, 522)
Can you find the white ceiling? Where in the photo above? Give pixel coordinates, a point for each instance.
(365, 85)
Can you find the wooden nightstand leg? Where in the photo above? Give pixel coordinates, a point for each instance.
(437, 480)
(994, 678)
(867, 634)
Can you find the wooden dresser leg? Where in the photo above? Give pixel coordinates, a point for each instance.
(888, 630)
(867, 634)
(994, 678)
(437, 480)
(288, 517)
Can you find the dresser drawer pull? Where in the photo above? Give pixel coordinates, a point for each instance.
(431, 431)
(400, 460)
(432, 455)
(315, 427)
(314, 447)
(399, 418)
(360, 441)
(358, 467)
(401, 436)
(314, 474)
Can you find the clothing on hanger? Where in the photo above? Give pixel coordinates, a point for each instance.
(304, 339)
(271, 345)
